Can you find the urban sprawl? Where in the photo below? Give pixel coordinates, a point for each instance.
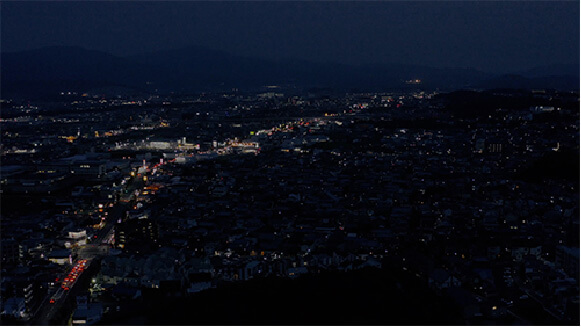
(107, 198)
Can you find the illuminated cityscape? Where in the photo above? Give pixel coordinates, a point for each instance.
(253, 195)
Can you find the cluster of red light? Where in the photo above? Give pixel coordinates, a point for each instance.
(161, 164)
(74, 274)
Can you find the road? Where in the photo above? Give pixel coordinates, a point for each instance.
(55, 300)
(97, 247)
(85, 253)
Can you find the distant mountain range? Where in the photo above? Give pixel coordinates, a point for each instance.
(50, 70)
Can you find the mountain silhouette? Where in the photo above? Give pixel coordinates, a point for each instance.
(517, 81)
(50, 70)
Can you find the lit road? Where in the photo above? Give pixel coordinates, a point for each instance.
(85, 253)
(55, 299)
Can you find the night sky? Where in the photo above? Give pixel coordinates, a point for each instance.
(490, 36)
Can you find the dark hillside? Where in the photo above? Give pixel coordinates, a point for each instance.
(363, 297)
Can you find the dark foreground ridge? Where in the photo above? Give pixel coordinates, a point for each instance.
(364, 297)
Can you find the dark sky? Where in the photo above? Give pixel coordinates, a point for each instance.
(501, 36)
